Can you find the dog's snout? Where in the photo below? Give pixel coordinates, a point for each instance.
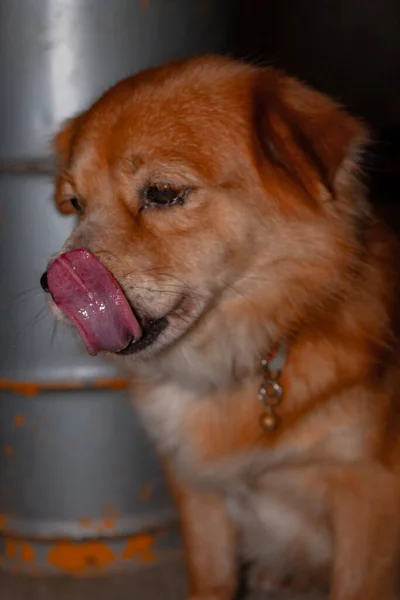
(44, 282)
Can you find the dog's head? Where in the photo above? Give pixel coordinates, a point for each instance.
(222, 199)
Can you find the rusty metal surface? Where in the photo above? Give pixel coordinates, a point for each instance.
(57, 56)
(33, 348)
(34, 388)
(165, 580)
(74, 462)
(77, 465)
(88, 558)
(46, 167)
(80, 487)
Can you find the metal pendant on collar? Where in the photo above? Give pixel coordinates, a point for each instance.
(270, 392)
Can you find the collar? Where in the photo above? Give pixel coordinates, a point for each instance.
(276, 359)
(270, 393)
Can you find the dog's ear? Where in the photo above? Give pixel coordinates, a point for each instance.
(307, 135)
(63, 143)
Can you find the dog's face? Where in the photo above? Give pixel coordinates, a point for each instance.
(211, 188)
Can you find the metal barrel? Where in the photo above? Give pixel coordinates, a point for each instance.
(81, 490)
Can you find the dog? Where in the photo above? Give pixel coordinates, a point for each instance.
(226, 255)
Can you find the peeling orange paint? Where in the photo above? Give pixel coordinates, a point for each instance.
(109, 523)
(85, 522)
(11, 548)
(112, 384)
(18, 387)
(85, 558)
(78, 559)
(27, 552)
(19, 420)
(110, 517)
(146, 492)
(9, 451)
(140, 546)
(15, 548)
(28, 388)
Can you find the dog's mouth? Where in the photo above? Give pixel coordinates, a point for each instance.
(89, 296)
(150, 334)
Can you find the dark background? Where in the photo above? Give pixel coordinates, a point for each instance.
(349, 49)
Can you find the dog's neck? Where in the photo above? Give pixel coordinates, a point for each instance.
(205, 360)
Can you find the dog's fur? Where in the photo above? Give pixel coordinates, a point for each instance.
(275, 243)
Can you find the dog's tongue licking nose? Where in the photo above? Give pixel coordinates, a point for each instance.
(91, 298)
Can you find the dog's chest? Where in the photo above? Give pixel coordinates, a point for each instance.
(217, 441)
(196, 431)
(265, 499)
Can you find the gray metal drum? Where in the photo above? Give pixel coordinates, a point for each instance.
(81, 490)
(57, 56)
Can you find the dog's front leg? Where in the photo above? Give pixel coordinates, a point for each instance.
(209, 543)
(365, 519)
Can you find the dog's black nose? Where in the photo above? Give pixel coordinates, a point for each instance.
(44, 283)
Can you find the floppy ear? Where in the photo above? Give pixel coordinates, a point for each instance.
(306, 134)
(63, 143)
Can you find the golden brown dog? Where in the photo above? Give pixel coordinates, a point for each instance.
(225, 201)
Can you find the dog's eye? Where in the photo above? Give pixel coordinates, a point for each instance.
(76, 205)
(163, 195)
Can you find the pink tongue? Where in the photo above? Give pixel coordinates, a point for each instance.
(91, 298)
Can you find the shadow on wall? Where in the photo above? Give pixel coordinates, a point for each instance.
(349, 49)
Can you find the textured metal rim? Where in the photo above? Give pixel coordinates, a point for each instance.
(86, 529)
(88, 558)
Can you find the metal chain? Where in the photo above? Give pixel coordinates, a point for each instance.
(270, 395)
